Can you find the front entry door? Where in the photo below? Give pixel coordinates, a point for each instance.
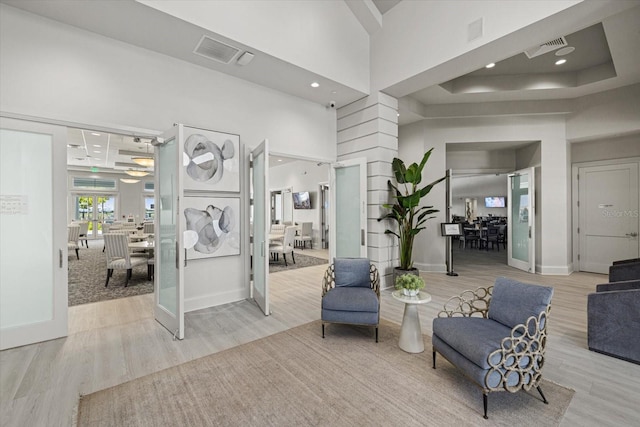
(608, 215)
(33, 226)
(521, 240)
(348, 183)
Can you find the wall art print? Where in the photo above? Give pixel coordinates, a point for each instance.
(211, 160)
(212, 226)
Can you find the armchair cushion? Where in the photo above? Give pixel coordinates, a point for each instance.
(513, 302)
(351, 299)
(352, 272)
(473, 337)
(624, 270)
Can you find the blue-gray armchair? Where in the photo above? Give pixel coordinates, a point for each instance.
(351, 293)
(496, 336)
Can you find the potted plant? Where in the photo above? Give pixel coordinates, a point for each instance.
(409, 284)
(406, 210)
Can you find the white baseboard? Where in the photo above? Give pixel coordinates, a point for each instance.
(212, 300)
(431, 268)
(555, 270)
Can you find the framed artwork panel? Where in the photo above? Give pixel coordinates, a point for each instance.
(210, 160)
(211, 226)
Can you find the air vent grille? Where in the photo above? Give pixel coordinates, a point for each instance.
(546, 47)
(97, 184)
(216, 50)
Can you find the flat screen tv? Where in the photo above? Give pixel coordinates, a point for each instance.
(301, 200)
(494, 202)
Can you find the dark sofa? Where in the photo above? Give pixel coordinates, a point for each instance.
(613, 313)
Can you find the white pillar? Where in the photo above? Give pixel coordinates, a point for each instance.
(369, 128)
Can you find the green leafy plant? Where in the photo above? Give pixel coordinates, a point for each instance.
(410, 282)
(406, 211)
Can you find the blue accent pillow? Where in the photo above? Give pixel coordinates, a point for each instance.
(352, 272)
(513, 302)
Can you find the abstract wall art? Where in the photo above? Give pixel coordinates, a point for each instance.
(212, 226)
(211, 160)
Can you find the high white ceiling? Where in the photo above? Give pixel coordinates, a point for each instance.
(615, 42)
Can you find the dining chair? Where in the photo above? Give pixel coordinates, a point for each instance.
(72, 239)
(491, 236)
(286, 247)
(84, 230)
(148, 227)
(118, 256)
(306, 235)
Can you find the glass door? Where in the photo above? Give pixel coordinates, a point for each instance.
(169, 274)
(33, 226)
(521, 220)
(261, 225)
(348, 183)
(95, 209)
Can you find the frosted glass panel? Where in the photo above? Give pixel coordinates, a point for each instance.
(520, 217)
(259, 225)
(167, 191)
(26, 195)
(348, 211)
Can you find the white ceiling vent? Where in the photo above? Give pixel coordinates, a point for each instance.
(546, 47)
(216, 50)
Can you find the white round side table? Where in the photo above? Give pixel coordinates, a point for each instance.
(411, 339)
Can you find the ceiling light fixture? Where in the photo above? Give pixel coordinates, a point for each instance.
(95, 134)
(245, 58)
(129, 180)
(145, 161)
(493, 64)
(315, 84)
(565, 51)
(561, 61)
(136, 173)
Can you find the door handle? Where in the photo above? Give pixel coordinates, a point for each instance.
(362, 237)
(177, 255)
(60, 255)
(631, 234)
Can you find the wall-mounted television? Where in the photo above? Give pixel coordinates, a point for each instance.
(301, 200)
(494, 202)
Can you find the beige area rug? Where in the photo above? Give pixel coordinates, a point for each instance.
(295, 378)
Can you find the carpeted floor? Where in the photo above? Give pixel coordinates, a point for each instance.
(296, 378)
(88, 275)
(301, 262)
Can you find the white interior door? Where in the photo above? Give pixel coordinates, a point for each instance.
(348, 207)
(608, 215)
(33, 226)
(169, 254)
(521, 220)
(261, 225)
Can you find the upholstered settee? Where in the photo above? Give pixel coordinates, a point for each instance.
(496, 336)
(613, 313)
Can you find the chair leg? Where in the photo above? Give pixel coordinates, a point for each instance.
(126, 282)
(77, 254)
(484, 404)
(109, 273)
(323, 330)
(544, 399)
(434, 359)
(293, 258)
(376, 334)
(285, 259)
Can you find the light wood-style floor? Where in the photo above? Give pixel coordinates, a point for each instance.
(116, 341)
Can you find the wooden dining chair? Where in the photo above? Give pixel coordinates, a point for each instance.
(118, 256)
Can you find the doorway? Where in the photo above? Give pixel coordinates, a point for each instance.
(96, 209)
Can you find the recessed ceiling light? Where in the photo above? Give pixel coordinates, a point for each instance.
(315, 84)
(97, 145)
(334, 92)
(97, 151)
(490, 65)
(95, 134)
(279, 160)
(565, 51)
(561, 61)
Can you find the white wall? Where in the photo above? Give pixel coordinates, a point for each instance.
(54, 71)
(320, 36)
(302, 175)
(606, 149)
